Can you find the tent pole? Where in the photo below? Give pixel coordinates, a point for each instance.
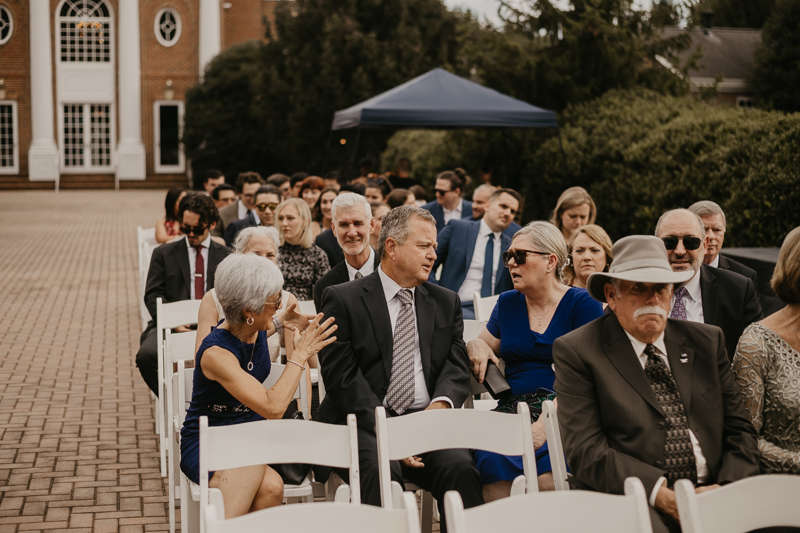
(327, 151)
(563, 156)
(355, 150)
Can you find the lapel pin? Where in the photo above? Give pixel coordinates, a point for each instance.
(684, 358)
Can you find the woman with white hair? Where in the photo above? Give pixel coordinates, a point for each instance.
(230, 366)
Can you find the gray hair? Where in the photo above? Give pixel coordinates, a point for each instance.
(244, 236)
(707, 207)
(700, 225)
(244, 282)
(397, 224)
(346, 200)
(545, 237)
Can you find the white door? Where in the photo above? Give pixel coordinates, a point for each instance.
(87, 137)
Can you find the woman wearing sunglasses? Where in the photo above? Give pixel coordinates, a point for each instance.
(267, 199)
(524, 324)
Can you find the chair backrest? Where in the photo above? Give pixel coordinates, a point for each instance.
(483, 306)
(276, 370)
(179, 346)
(307, 307)
(571, 511)
(329, 516)
(746, 505)
(472, 328)
(174, 314)
(442, 429)
(555, 446)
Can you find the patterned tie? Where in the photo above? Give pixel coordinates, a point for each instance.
(400, 395)
(488, 268)
(199, 271)
(358, 275)
(679, 460)
(679, 309)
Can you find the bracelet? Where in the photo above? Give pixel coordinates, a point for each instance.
(278, 326)
(295, 362)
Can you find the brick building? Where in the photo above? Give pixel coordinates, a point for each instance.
(92, 91)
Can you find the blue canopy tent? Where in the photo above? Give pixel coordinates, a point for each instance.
(439, 99)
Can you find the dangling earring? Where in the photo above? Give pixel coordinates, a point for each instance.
(250, 321)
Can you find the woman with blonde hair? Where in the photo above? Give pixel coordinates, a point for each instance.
(589, 251)
(575, 208)
(302, 262)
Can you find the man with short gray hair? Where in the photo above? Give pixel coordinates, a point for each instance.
(399, 345)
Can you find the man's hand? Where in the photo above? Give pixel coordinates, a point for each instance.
(293, 319)
(438, 405)
(666, 503)
(183, 329)
(413, 462)
(700, 490)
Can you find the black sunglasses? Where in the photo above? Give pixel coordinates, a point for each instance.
(272, 206)
(440, 191)
(520, 256)
(690, 243)
(197, 230)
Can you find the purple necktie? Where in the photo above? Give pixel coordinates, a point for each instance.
(679, 309)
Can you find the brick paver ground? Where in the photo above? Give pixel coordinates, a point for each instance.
(77, 446)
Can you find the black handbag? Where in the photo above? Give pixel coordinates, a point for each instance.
(533, 399)
(292, 473)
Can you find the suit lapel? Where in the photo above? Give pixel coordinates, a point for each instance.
(215, 256)
(709, 292)
(426, 312)
(182, 259)
(378, 311)
(341, 274)
(681, 361)
(472, 237)
(505, 244)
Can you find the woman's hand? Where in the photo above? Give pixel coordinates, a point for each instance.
(479, 355)
(539, 433)
(293, 319)
(313, 339)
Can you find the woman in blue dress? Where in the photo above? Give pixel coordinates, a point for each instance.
(524, 324)
(230, 366)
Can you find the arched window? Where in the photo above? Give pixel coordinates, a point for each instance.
(167, 26)
(6, 25)
(85, 31)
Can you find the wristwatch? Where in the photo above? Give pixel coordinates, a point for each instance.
(278, 325)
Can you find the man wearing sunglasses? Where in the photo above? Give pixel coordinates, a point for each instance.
(448, 204)
(267, 199)
(180, 270)
(713, 296)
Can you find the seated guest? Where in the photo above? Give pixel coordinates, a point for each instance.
(301, 261)
(575, 208)
(267, 200)
(589, 251)
(231, 365)
(310, 190)
(713, 296)
(395, 302)
(282, 182)
(378, 189)
(379, 210)
(470, 252)
(617, 377)
(321, 213)
(180, 270)
(421, 197)
(246, 186)
(524, 324)
(334, 180)
(448, 204)
(480, 199)
(213, 179)
(402, 177)
(296, 182)
(766, 368)
(399, 197)
(352, 223)
(223, 195)
(169, 228)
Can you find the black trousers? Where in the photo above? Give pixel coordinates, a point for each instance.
(147, 358)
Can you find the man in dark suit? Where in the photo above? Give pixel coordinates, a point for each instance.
(645, 396)
(268, 197)
(399, 344)
(351, 226)
(448, 204)
(180, 270)
(247, 183)
(471, 253)
(480, 199)
(711, 295)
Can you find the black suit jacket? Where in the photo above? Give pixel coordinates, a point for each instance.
(611, 422)
(726, 263)
(730, 301)
(327, 241)
(169, 276)
(336, 276)
(236, 226)
(357, 366)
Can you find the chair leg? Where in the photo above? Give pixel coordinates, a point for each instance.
(426, 513)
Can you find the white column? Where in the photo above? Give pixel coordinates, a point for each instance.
(210, 32)
(43, 152)
(130, 152)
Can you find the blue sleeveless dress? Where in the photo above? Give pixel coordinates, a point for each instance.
(210, 399)
(529, 358)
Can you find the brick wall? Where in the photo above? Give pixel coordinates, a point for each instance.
(16, 72)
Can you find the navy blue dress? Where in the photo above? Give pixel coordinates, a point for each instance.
(210, 399)
(529, 362)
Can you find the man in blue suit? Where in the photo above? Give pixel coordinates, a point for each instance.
(471, 252)
(448, 204)
(480, 199)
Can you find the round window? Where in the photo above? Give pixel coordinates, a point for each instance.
(168, 26)
(6, 25)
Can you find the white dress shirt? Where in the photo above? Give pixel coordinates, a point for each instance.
(692, 300)
(452, 214)
(474, 280)
(699, 458)
(366, 269)
(715, 262)
(243, 212)
(421, 397)
(192, 260)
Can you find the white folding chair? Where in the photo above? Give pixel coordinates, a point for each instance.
(278, 442)
(568, 512)
(440, 429)
(335, 517)
(307, 307)
(472, 328)
(746, 505)
(555, 446)
(146, 242)
(168, 316)
(483, 306)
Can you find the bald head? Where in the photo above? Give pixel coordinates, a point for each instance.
(684, 237)
(480, 199)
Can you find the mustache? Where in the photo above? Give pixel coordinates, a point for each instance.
(649, 310)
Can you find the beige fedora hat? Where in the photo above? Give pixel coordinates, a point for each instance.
(639, 258)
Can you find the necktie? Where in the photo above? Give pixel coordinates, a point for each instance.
(358, 275)
(679, 309)
(488, 268)
(400, 395)
(199, 271)
(679, 460)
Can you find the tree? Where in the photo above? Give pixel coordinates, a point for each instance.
(775, 77)
(733, 13)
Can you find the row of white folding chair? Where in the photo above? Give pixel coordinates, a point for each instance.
(483, 306)
(146, 242)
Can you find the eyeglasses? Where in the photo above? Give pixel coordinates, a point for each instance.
(690, 243)
(276, 303)
(197, 230)
(263, 207)
(440, 191)
(520, 256)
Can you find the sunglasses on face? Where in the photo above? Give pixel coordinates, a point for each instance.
(263, 207)
(440, 191)
(197, 230)
(519, 256)
(690, 243)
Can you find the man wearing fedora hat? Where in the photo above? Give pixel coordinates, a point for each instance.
(646, 396)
